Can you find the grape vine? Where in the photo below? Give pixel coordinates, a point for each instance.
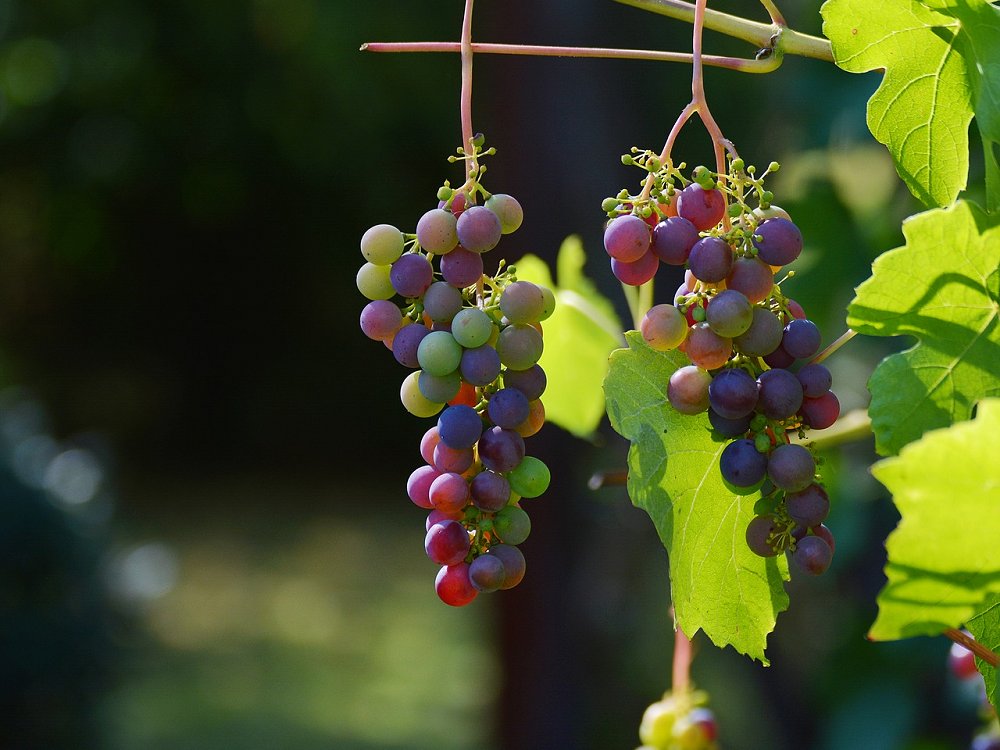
(722, 391)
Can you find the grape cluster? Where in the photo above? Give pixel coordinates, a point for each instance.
(472, 342)
(679, 721)
(748, 344)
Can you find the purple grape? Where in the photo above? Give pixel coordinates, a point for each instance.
(513, 563)
(522, 302)
(480, 366)
(486, 573)
(627, 238)
(459, 426)
(380, 319)
(791, 467)
(741, 464)
(801, 338)
(452, 585)
(520, 346)
(406, 342)
(447, 543)
(779, 243)
(673, 239)
(780, 394)
(711, 259)
(638, 272)
(753, 277)
(820, 412)
(478, 229)
(501, 450)
(779, 359)
(411, 274)
(729, 313)
(530, 382)
(733, 393)
(442, 301)
(809, 506)
(450, 460)
(812, 555)
(461, 268)
(729, 428)
(490, 491)
(508, 408)
(762, 337)
(815, 380)
(758, 532)
(703, 208)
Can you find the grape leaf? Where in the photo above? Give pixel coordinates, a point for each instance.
(940, 59)
(579, 336)
(944, 555)
(717, 584)
(941, 287)
(985, 628)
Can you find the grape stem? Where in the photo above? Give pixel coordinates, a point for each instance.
(683, 655)
(974, 646)
(741, 64)
(772, 10)
(471, 164)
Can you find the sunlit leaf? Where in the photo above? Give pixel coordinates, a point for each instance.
(579, 336)
(944, 556)
(985, 628)
(941, 287)
(717, 584)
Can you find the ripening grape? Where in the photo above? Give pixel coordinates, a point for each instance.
(663, 327)
(703, 208)
(513, 563)
(454, 460)
(627, 238)
(809, 506)
(531, 382)
(733, 393)
(501, 450)
(478, 229)
(406, 342)
(449, 492)
(442, 301)
(821, 412)
(508, 408)
(815, 380)
(519, 346)
(780, 394)
(436, 231)
(729, 428)
(751, 276)
(439, 353)
(471, 327)
(729, 313)
(638, 272)
(411, 274)
(480, 365)
(673, 239)
(447, 543)
(758, 532)
(522, 302)
(380, 319)
(453, 585)
(414, 401)
(418, 485)
(490, 491)
(512, 525)
(801, 338)
(687, 389)
(705, 348)
(486, 573)
(762, 337)
(507, 209)
(439, 388)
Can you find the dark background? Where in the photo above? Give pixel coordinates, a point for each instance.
(204, 533)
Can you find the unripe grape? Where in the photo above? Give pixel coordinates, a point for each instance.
(663, 327)
(439, 353)
(382, 244)
(471, 328)
(414, 401)
(530, 478)
(512, 525)
(436, 231)
(374, 281)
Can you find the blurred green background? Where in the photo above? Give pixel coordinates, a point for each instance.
(205, 540)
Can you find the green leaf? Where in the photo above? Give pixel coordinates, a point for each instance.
(941, 287)
(717, 584)
(922, 109)
(985, 628)
(944, 556)
(579, 336)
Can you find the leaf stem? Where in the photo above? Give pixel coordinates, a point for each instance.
(741, 64)
(772, 10)
(759, 34)
(974, 646)
(834, 346)
(683, 655)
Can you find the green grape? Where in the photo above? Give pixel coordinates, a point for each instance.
(439, 388)
(512, 524)
(374, 283)
(439, 353)
(382, 244)
(530, 478)
(519, 346)
(413, 400)
(471, 327)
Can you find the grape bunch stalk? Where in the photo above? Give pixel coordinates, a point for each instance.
(751, 347)
(472, 343)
